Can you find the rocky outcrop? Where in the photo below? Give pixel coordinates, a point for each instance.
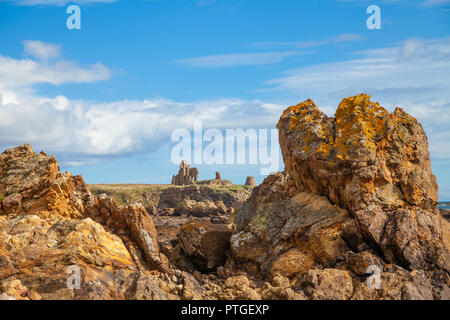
(49, 221)
(186, 175)
(357, 200)
(53, 228)
(358, 191)
(31, 183)
(205, 244)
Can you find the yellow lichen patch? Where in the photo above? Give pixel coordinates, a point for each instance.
(300, 111)
(94, 245)
(358, 120)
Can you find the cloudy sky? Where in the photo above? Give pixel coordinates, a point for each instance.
(105, 99)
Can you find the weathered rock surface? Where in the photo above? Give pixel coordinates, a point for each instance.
(205, 244)
(358, 191)
(32, 184)
(51, 225)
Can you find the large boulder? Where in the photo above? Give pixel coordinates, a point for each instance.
(205, 244)
(12, 203)
(186, 175)
(376, 165)
(32, 184)
(357, 191)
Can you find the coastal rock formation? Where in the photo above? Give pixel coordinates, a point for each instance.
(358, 191)
(357, 200)
(49, 221)
(31, 183)
(186, 175)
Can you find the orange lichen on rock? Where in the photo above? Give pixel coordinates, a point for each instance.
(359, 124)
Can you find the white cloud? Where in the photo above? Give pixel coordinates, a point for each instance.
(55, 2)
(413, 75)
(41, 50)
(83, 131)
(339, 39)
(26, 72)
(237, 59)
(422, 3)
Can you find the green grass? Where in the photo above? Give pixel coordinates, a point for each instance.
(235, 187)
(148, 195)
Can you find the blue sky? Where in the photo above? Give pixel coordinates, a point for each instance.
(106, 98)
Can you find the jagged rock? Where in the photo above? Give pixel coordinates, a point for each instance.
(205, 244)
(51, 221)
(218, 176)
(278, 233)
(43, 189)
(135, 220)
(186, 175)
(39, 251)
(250, 181)
(358, 191)
(374, 164)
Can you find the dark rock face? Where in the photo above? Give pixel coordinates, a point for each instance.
(358, 189)
(205, 244)
(186, 175)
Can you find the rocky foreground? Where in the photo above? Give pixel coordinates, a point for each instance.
(357, 195)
